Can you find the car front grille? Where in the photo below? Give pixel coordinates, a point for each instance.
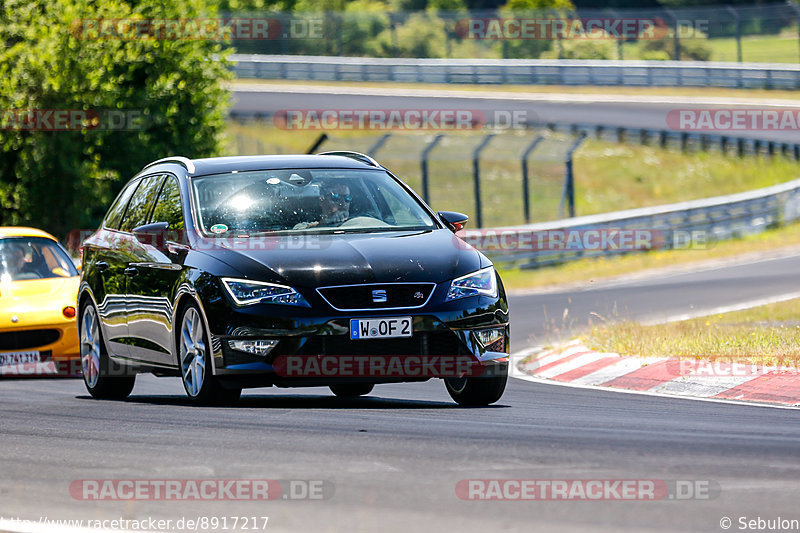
(377, 296)
(32, 338)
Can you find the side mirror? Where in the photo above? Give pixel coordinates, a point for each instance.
(455, 221)
(154, 234)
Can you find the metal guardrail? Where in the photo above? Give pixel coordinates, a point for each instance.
(683, 225)
(520, 71)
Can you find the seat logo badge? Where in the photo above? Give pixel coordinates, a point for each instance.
(418, 295)
(379, 296)
(15, 319)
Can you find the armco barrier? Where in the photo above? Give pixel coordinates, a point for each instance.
(712, 219)
(520, 71)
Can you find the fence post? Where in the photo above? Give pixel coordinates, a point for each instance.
(613, 13)
(568, 193)
(675, 38)
(393, 30)
(476, 172)
(314, 147)
(525, 200)
(339, 19)
(378, 145)
(738, 20)
(424, 165)
(797, 12)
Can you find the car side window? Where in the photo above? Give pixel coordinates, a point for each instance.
(168, 206)
(139, 207)
(114, 216)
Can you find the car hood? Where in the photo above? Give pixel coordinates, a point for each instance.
(28, 303)
(315, 260)
(40, 291)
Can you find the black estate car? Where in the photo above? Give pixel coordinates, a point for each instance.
(288, 271)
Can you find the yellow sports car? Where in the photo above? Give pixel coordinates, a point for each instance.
(38, 289)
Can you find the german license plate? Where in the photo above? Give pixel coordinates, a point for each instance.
(18, 358)
(380, 328)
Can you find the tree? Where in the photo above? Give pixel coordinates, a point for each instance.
(168, 91)
(534, 9)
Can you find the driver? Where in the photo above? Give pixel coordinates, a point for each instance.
(15, 261)
(334, 199)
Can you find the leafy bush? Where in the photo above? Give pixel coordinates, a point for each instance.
(62, 180)
(421, 35)
(360, 22)
(534, 9)
(696, 48)
(598, 46)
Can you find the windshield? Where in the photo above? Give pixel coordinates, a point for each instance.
(26, 258)
(316, 200)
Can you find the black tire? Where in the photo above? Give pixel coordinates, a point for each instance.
(104, 379)
(195, 362)
(478, 391)
(352, 390)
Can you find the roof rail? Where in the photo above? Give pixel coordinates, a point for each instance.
(354, 155)
(185, 161)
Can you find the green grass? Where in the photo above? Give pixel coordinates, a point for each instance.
(626, 176)
(767, 335)
(782, 48)
(766, 49)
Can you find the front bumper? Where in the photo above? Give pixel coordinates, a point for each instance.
(58, 340)
(55, 345)
(446, 331)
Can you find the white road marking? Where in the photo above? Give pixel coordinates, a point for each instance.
(574, 385)
(626, 365)
(578, 362)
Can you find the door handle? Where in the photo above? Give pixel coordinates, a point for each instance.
(130, 271)
(102, 266)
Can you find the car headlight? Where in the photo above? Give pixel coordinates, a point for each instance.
(246, 292)
(480, 282)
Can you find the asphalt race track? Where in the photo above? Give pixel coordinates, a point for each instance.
(622, 111)
(393, 459)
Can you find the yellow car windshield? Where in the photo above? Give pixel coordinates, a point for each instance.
(27, 258)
